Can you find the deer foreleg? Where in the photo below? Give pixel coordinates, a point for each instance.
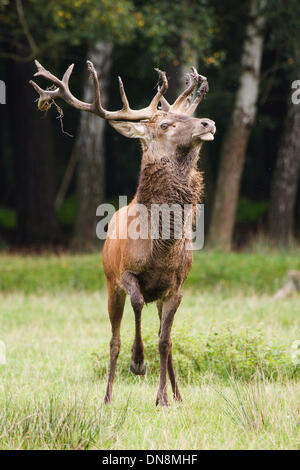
(171, 372)
(167, 313)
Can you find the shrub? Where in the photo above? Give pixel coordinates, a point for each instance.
(224, 353)
(250, 211)
(66, 213)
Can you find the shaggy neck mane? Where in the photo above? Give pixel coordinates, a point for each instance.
(170, 180)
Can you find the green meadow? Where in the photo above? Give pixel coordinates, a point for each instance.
(233, 352)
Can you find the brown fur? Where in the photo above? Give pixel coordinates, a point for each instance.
(154, 270)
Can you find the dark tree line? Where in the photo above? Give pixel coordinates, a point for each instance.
(250, 64)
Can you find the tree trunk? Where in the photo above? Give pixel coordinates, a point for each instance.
(33, 157)
(90, 148)
(285, 179)
(205, 166)
(234, 145)
(177, 69)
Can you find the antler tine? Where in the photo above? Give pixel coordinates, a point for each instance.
(201, 92)
(67, 75)
(181, 100)
(45, 95)
(123, 95)
(146, 113)
(63, 91)
(189, 81)
(97, 96)
(165, 105)
(160, 89)
(43, 103)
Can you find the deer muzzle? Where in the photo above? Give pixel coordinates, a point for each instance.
(207, 130)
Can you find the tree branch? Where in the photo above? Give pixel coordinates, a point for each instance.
(34, 48)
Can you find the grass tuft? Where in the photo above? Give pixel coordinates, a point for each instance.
(55, 424)
(247, 406)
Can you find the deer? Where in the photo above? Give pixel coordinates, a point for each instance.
(146, 269)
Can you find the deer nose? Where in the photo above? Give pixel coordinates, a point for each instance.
(207, 123)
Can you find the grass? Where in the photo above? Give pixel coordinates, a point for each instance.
(53, 317)
(250, 273)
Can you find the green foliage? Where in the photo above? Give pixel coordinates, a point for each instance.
(250, 211)
(44, 24)
(70, 22)
(223, 353)
(283, 23)
(7, 218)
(164, 23)
(66, 213)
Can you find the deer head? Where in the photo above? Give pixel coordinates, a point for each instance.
(169, 127)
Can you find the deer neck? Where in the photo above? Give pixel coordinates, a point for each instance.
(170, 179)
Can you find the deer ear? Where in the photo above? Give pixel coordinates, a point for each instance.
(133, 130)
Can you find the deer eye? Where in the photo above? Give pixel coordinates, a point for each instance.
(164, 126)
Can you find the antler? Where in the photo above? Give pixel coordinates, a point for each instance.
(183, 104)
(63, 91)
(200, 94)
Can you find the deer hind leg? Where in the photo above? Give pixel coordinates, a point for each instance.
(116, 300)
(131, 284)
(166, 311)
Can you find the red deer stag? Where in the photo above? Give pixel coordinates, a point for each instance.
(148, 269)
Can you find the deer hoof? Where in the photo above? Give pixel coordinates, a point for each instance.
(178, 398)
(162, 401)
(106, 400)
(138, 368)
